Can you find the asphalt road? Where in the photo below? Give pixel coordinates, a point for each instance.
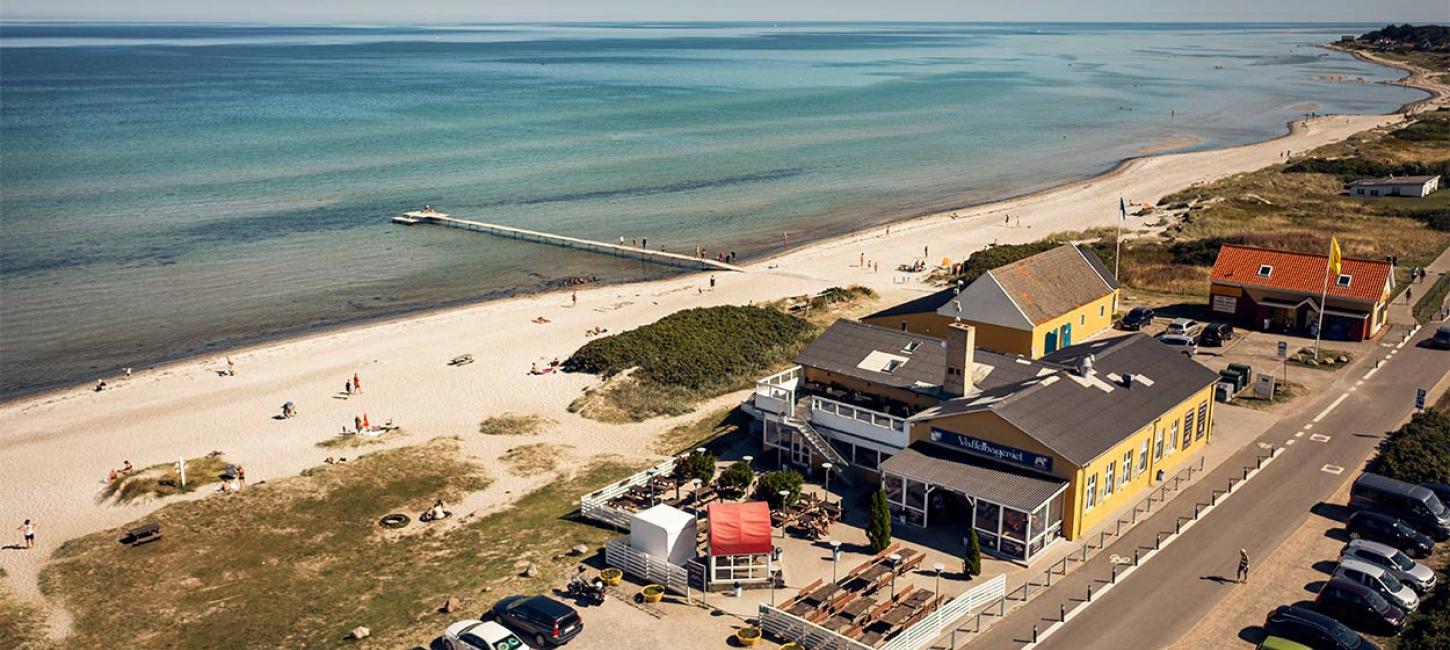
(1164, 598)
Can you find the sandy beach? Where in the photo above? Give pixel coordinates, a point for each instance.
(56, 449)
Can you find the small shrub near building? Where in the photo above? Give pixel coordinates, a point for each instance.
(771, 484)
(878, 530)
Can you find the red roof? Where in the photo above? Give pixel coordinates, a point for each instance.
(739, 528)
(1300, 272)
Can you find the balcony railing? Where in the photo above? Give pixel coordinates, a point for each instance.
(776, 393)
(858, 421)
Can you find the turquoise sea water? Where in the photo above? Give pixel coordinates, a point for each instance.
(170, 189)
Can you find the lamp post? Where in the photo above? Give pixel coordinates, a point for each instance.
(695, 489)
(835, 558)
(784, 494)
(747, 460)
(895, 562)
(938, 569)
(773, 572)
(827, 467)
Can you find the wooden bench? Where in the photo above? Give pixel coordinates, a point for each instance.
(142, 534)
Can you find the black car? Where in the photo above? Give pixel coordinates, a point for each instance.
(1359, 606)
(1385, 529)
(1441, 339)
(545, 620)
(1136, 319)
(1313, 629)
(1216, 334)
(1442, 491)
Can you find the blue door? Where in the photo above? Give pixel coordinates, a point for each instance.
(1066, 335)
(1049, 342)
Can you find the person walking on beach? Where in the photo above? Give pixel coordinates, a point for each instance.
(1243, 575)
(356, 384)
(347, 388)
(862, 261)
(574, 299)
(241, 476)
(926, 252)
(712, 282)
(357, 423)
(231, 368)
(28, 529)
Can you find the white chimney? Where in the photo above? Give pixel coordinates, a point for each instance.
(1085, 365)
(961, 348)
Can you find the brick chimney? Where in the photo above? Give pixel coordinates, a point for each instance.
(961, 347)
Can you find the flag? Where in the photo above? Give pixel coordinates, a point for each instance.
(1122, 208)
(1334, 256)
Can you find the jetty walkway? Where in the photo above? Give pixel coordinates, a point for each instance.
(430, 216)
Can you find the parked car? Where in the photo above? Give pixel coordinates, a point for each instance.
(482, 635)
(1183, 327)
(547, 621)
(1184, 344)
(1137, 318)
(1216, 334)
(1359, 607)
(1414, 504)
(1380, 581)
(1313, 629)
(1441, 491)
(1281, 643)
(1385, 529)
(1441, 339)
(1418, 576)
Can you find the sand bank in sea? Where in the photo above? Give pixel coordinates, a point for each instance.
(56, 449)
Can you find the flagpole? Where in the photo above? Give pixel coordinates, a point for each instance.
(1323, 296)
(1118, 240)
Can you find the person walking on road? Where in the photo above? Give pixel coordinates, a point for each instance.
(1243, 566)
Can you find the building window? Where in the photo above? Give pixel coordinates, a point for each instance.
(1187, 428)
(1108, 483)
(743, 568)
(1102, 310)
(1173, 439)
(1127, 467)
(1142, 458)
(1157, 443)
(1202, 419)
(903, 326)
(1091, 495)
(1342, 281)
(1225, 304)
(1082, 319)
(1265, 270)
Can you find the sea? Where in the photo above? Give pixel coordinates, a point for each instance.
(169, 190)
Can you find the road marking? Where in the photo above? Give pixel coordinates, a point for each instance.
(1290, 443)
(1359, 383)
(1299, 434)
(1308, 427)
(1371, 372)
(1329, 408)
(1332, 469)
(1353, 388)
(1319, 437)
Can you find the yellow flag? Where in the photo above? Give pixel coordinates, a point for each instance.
(1334, 255)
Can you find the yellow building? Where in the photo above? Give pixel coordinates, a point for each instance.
(1023, 451)
(1032, 307)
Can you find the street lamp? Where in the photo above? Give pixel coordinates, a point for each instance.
(773, 572)
(747, 460)
(895, 562)
(784, 494)
(827, 467)
(700, 450)
(938, 568)
(835, 558)
(695, 488)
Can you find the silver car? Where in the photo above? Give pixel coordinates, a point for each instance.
(1418, 576)
(1380, 581)
(1184, 344)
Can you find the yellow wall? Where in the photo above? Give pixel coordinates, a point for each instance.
(1087, 321)
(1075, 521)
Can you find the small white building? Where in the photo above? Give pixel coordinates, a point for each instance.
(664, 532)
(1416, 186)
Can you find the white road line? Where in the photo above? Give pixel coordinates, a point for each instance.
(1319, 437)
(1329, 408)
(1308, 427)
(1332, 469)
(1299, 434)
(1290, 443)
(1359, 383)
(1371, 372)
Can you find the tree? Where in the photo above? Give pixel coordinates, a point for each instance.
(769, 486)
(878, 530)
(700, 465)
(736, 479)
(972, 563)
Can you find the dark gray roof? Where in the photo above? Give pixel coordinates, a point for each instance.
(925, 304)
(973, 475)
(1097, 262)
(846, 344)
(1080, 418)
(1394, 180)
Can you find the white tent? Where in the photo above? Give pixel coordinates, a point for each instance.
(665, 533)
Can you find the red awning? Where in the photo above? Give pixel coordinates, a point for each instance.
(739, 528)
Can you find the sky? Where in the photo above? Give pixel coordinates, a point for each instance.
(423, 11)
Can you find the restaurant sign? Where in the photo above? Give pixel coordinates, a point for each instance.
(993, 450)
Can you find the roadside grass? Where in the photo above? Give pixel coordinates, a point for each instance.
(1433, 298)
(355, 441)
(1286, 392)
(22, 624)
(298, 562)
(515, 424)
(162, 480)
(690, 435)
(534, 458)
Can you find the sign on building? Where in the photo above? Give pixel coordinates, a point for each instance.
(993, 450)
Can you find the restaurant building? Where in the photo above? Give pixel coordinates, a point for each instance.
(1280, 291)
(1024, 451)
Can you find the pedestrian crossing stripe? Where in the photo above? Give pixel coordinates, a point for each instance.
(1319, 437)
(1332, 469)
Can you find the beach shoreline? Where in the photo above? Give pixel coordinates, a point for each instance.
(56, 446)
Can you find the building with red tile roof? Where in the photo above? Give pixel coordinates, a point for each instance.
(1275, 290)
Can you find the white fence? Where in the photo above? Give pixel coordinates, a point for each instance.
(783, 625)
(595, 505)
(620, 555)
(941, 620)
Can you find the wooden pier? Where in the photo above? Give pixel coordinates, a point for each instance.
(430, 216)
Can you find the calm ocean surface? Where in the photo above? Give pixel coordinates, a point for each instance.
(172, 189)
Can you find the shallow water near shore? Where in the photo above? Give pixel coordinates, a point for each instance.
(172, 189)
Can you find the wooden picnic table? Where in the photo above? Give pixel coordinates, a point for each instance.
(857, 608)
(823, 594)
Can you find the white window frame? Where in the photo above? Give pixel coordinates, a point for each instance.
(1266, 270)
(1109, 484)
(1142, 458)
(1225, 304)
(1090, 498)
(1173, 438)
(1343, 280)
(1157, 442)
(1127, 468)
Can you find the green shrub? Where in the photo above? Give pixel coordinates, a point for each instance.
(1416, 452)
(703, 350)
(972, 564)
(697, 465)
(1350, 168)
(736, 479)
(770, 485)
(878, 529)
